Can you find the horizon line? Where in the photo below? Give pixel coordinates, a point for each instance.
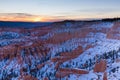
(89, 19)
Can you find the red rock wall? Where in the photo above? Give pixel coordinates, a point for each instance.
(105, 76)
(65, 72)
(101, 66)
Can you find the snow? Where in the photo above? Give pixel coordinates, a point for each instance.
(90, 76)
(47, 36)
(103, 25)
(9, 35)
(68, 24)
(98, 40)
(115, 75)
(101, 47)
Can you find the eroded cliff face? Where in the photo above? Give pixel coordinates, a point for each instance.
(67, 51)
(101, 66)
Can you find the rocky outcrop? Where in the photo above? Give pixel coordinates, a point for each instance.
(113, 33)
(62, 72)
(57, 51)
(66, 56)
(105, 76)
(101, 66)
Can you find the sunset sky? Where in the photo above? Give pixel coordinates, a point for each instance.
(55, 10)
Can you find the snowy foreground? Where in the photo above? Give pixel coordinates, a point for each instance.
(61, 51)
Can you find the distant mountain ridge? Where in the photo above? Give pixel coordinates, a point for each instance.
(42, 24)
(95, 20)
(23, 24)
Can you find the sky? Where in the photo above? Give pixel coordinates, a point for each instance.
(57, 10)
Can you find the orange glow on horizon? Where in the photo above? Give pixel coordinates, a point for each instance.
(28, 19)
(37, 18)
(24, 19)
(49, 18)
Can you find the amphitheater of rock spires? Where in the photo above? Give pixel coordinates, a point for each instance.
(68, 50)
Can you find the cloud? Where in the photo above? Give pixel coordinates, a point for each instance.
(17, 14)
(28, 17)
(17, 17)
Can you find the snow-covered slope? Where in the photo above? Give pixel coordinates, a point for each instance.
(61, 51)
